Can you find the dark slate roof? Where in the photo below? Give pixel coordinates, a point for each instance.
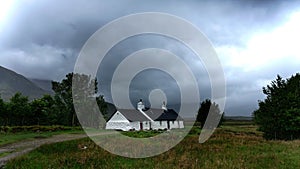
(163, 115)
(170, 115)
(133, 115)
(155, 114)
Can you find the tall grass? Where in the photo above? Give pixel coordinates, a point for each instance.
(230, 147)
(21, 133)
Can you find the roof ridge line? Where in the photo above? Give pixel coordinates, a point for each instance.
(146, 115)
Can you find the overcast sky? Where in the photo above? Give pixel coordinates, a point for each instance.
(255, 40)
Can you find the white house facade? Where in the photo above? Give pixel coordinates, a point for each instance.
(144, 119)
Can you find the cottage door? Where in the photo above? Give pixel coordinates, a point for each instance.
(141, 126)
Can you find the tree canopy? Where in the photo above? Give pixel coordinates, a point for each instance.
(86, 89)
(278, 116)
(207, 107)
(3, 112)
(57, 109)
(19, 110)
(44, 111)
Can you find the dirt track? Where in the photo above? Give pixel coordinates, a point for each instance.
(19, 148)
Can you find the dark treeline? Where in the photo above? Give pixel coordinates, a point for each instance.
(208, 107)
(52, 110)
(278, 115)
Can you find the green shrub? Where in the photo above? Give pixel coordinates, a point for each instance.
(278, 115)
(16, 129)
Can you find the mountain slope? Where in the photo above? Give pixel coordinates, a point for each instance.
(43, 84)
(11, 83)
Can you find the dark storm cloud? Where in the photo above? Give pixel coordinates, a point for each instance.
(148, 80)
(65, 24)
(68, 25)
(42, 39)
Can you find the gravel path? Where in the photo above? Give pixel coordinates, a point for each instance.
(19, 148)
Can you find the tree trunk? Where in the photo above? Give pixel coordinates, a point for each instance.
(73, 119)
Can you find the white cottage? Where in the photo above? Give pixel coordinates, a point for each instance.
(144, 119)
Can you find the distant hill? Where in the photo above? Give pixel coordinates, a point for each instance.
(12, 82)
(111, 109)
(44, 84)
(238, 118)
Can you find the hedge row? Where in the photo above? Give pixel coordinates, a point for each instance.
(15, 129)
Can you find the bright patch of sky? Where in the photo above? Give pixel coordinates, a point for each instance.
(6, 7)
(264, 48)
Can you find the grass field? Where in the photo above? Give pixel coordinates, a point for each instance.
(8, 138)
(234, 145)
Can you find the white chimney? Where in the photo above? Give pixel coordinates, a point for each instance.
(164, 106)
(140, 105)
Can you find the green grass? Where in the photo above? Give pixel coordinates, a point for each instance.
(5, 154)
(8, 138)
(236, 146)
(142, 134)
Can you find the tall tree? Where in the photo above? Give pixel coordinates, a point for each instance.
(88, 102)
(278, 115)
(63, 98)
(42, 111)
(86, 89)
(3, 113)
(19, 110)
(207, 107)
(102, 106)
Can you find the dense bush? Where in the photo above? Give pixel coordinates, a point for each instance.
(208, 108)
(53, 110)
(278, 115)
(15, 129)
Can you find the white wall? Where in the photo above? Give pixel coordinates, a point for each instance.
(118, 122)
(159, 125)
(146, 125)
(181, 125)
(155, 125)
(125, 126)
(135, 125)
(174, 124)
